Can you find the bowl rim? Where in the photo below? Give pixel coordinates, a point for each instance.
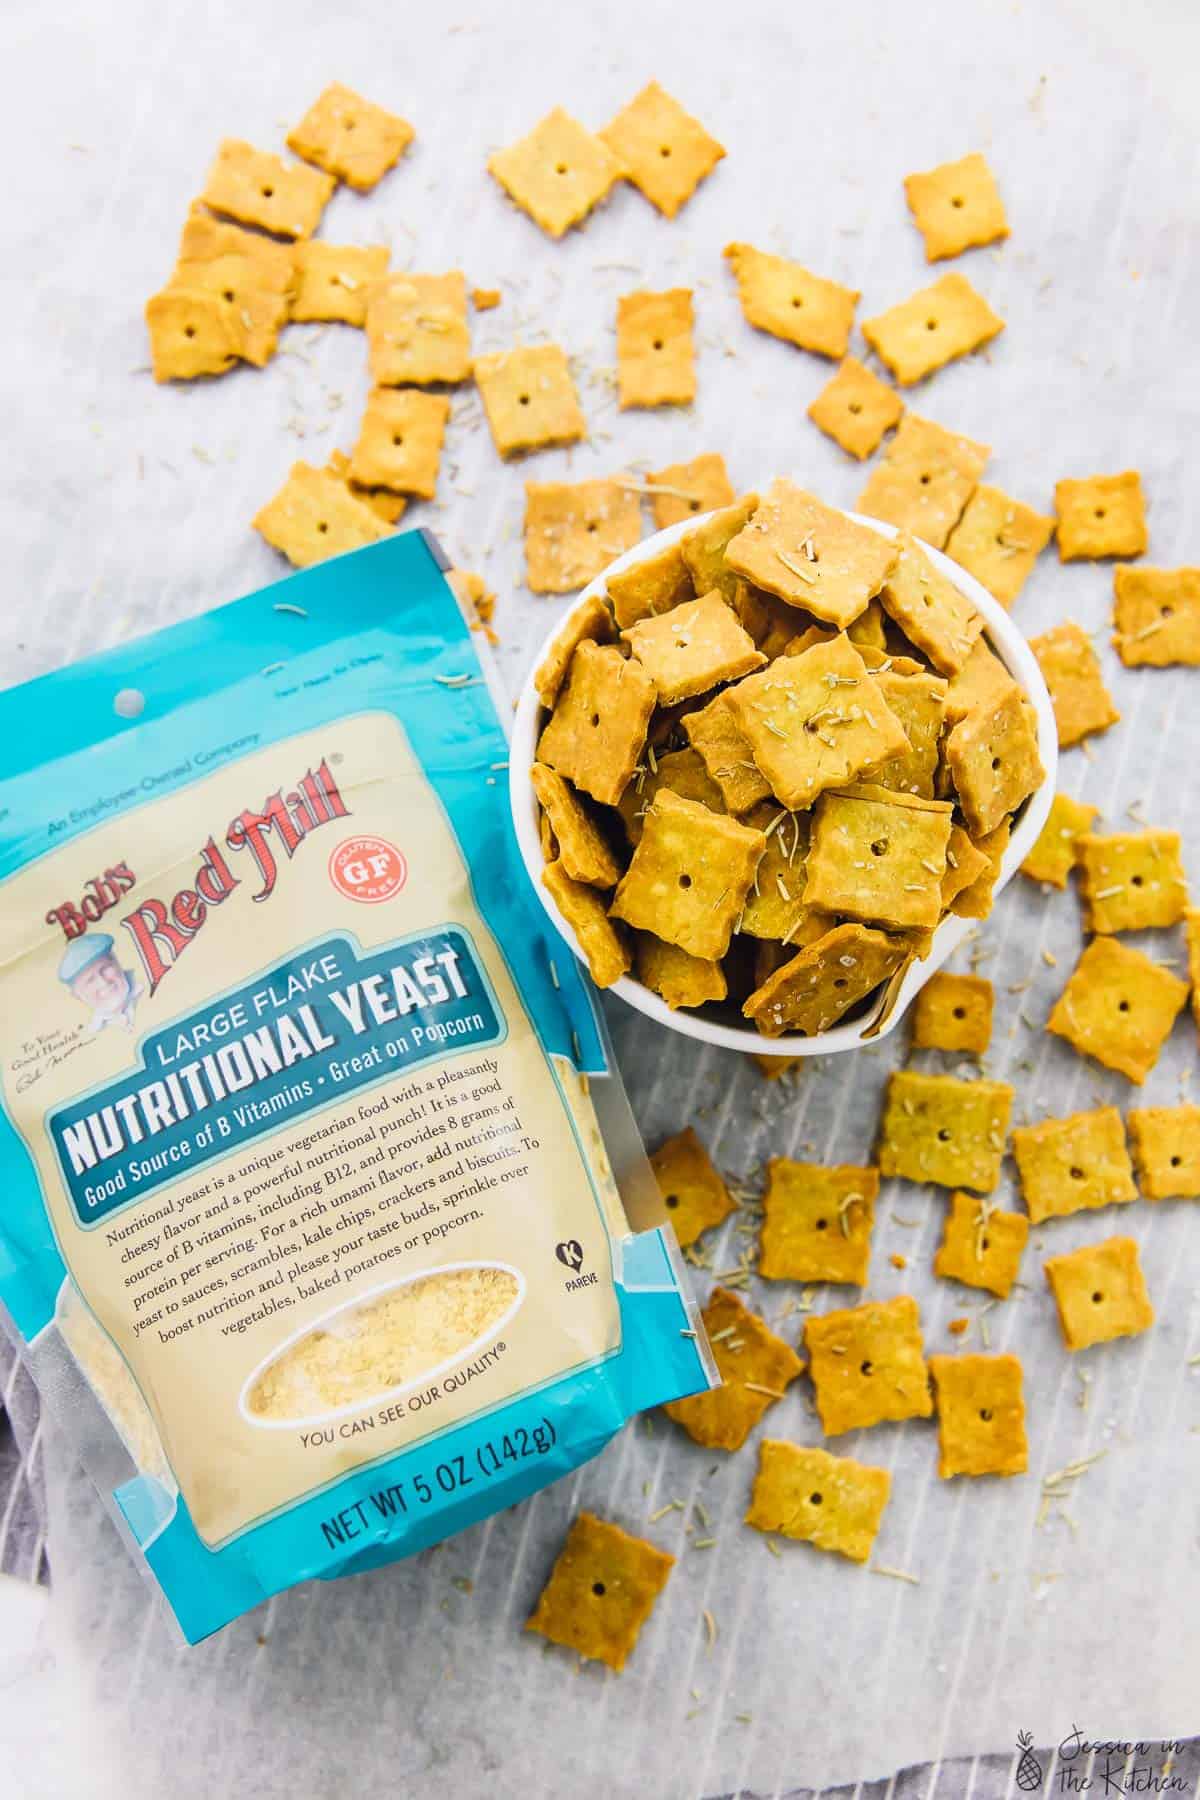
(1007, 642)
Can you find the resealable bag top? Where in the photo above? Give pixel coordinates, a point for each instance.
(309, 1221)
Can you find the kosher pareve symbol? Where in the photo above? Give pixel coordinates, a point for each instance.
(570, 1252)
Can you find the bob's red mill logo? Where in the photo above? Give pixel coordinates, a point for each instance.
(162, 929)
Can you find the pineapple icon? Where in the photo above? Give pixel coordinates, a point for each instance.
(1029, 1769)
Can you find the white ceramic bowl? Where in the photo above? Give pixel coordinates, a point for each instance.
(1009, 646)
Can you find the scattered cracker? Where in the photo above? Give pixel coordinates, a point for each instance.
(981, 1247)
(601, 1591)
(677, 977)
(333, 279)
(314, 515)
(1104, 515)
(573, 530)
(817, 1222)
(400, 441)
(1131, 880)
(998, 540)
(656, 359)
(784, 299)
(1100, 1293)
(592, 621)
(693, 648)
(924, 479)
(823, 981)
(937, 1128)
(1071, 1165)
(1082, 704)
(254, 275)
(931, 612)
(942, 322)
(956, 207)
(582, 848)
(689, 487)
(954, 1012)
(391, 508)
(694, 1194)
(981, 1415)
(1166, 1151)
(811, 555)
(868, 1365)
(583, 909)
(665, 152)
(350, 137)
(558, 173)
(193, 332)
(594, 736)
(257, 188)
(417, 330)
(756, 1367)
(1156, 616)
(831, 1502)
(690, 875)
(856, 409)
(1118, 1006)
(530, 398)
(1056, 851)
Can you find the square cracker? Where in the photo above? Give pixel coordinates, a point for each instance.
(581, 906)
(1073, 1165)
(689, 487)
(933, 327)
(931, 612)
(703, 548)
(998, 540)
(755, 1367)
(815, 721)
(981, 1246)
(656, 360)
(817, 986)
(193, 332)
(919, 702)
(817, 1222)
(924, 479)
(982, 679)
(314, 515)
(689, 876)
(1102, 515)
(993, 759)
(693, 1191)
(681, 772)
(332, 280)
(1118, 1006)
(775, 909)
(956, 206)
(557, 173)
(856, 409)
(573, 530)
(582, 847)
(271, 265)
(1131, 880)
(590, 621)
(785, 299)
(1100, 1292)
(831, 1502)
(679, 979)
(530, 398)
(665, 152)
(878, 859)
(1056, 851)
(868, 1365)
(400, 441)
(1082, 704)
(937, 1128)
(954, 1012)
(974, 901)
(601, 1591)
(594, 736)
(652, 586)
(417, 330)
(1156, 616)
(811, 555)
(1166, 1151)
(350, 137)
(260, 189)
(692, 648)
(385, 505)
(981, 1415)
(252, 274)
(715, 734)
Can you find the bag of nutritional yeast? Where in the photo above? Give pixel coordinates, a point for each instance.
(307, 1222)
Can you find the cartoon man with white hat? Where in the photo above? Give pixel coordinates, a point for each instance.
(90, 969)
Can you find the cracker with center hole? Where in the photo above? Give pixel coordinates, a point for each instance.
(332, 280)
(689, 877)
(956, 207)
(350, 137)
(755, 1367)
(400, 441)
(597, 730)
(831, 1502)
(965, 863)
(1119, 1007)
(679, 979)
(574, 529)
(981, 1415)
(601, 1591)
(653, 585)
(856, 409)
(530, 398)
(258, 188)
(384, 504)
(820, 984)
(815, 721)
(193, 332)
(1100, 1293)
(930, 611)
(558, 173)
(811, 555)
(919, 702)
(981, 1247)
(1103, 515)
(817, 1222)
(998, 540)
(704, 547)
(417, 330)
(993, 759)
(254, 275)
(689, 487)
(656, 360)
(1056, 850)
(664, 151)
(1071, 1165)
(1166, 1151)
(924, 479)
(716, 736)
(1156, 616)
(775, 907)
(974, 901)
(937, 1128)
(693, 1190)
(933, 327)
(878, 862)
(314, 515)
(590, 621)
(954, 1012)
(1071, 670)
(693, 648)
(867, 1365)
(582, 847)
(788, 301)
(1131, 880)
(581, 906)
(982, 680)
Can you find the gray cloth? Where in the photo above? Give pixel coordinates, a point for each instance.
(22, 1487)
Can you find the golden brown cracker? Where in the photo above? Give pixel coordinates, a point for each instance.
(965, 863)
(919, 703)
(933, 327)
(715, 735)
(400, 441)
(693, 1190)
(924, 479)
(867, 1365)
(878, 862)
(656, 359)
(993, 759)
(954, 1012)
(1056, 849)
(1100, 1293)
(590, 620)
(811, 555)
(693, 648)
(417, 330)
(594, 736)
(956, 207)
(982, 679)
(981, 1246)
(384, 504)
(856, 409)
(573, 530)
(981, 1415)
(603, 945)
(582, 847)
(664, 151)
(929, 609)
(1102, 515)
(1156, 616)
(332, 280)
(1071, 1165)
(681, 772)
(654, 584)
(974, 899)
(938, 1128)
(788, 301)
(704, 547)
(755, 1367)
(530, 398)
(1131, 880)
(817, 1222)
(258, 188)
(1166, 1151)
(1082, 704)
(601, 1591)
(314, 515)
(679, 979)
(557, 173)
(1118, 1006)
(998, 540)
(775, 907)
(350, 137)
(193, 332)
(831, 1502)
(690, 874)
(685, 488)
(823, 981)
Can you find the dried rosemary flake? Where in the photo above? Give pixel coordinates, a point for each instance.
(286, 606)
(895, 1574)
(710, 1627)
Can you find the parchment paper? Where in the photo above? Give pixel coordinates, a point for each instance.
(125, 506)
